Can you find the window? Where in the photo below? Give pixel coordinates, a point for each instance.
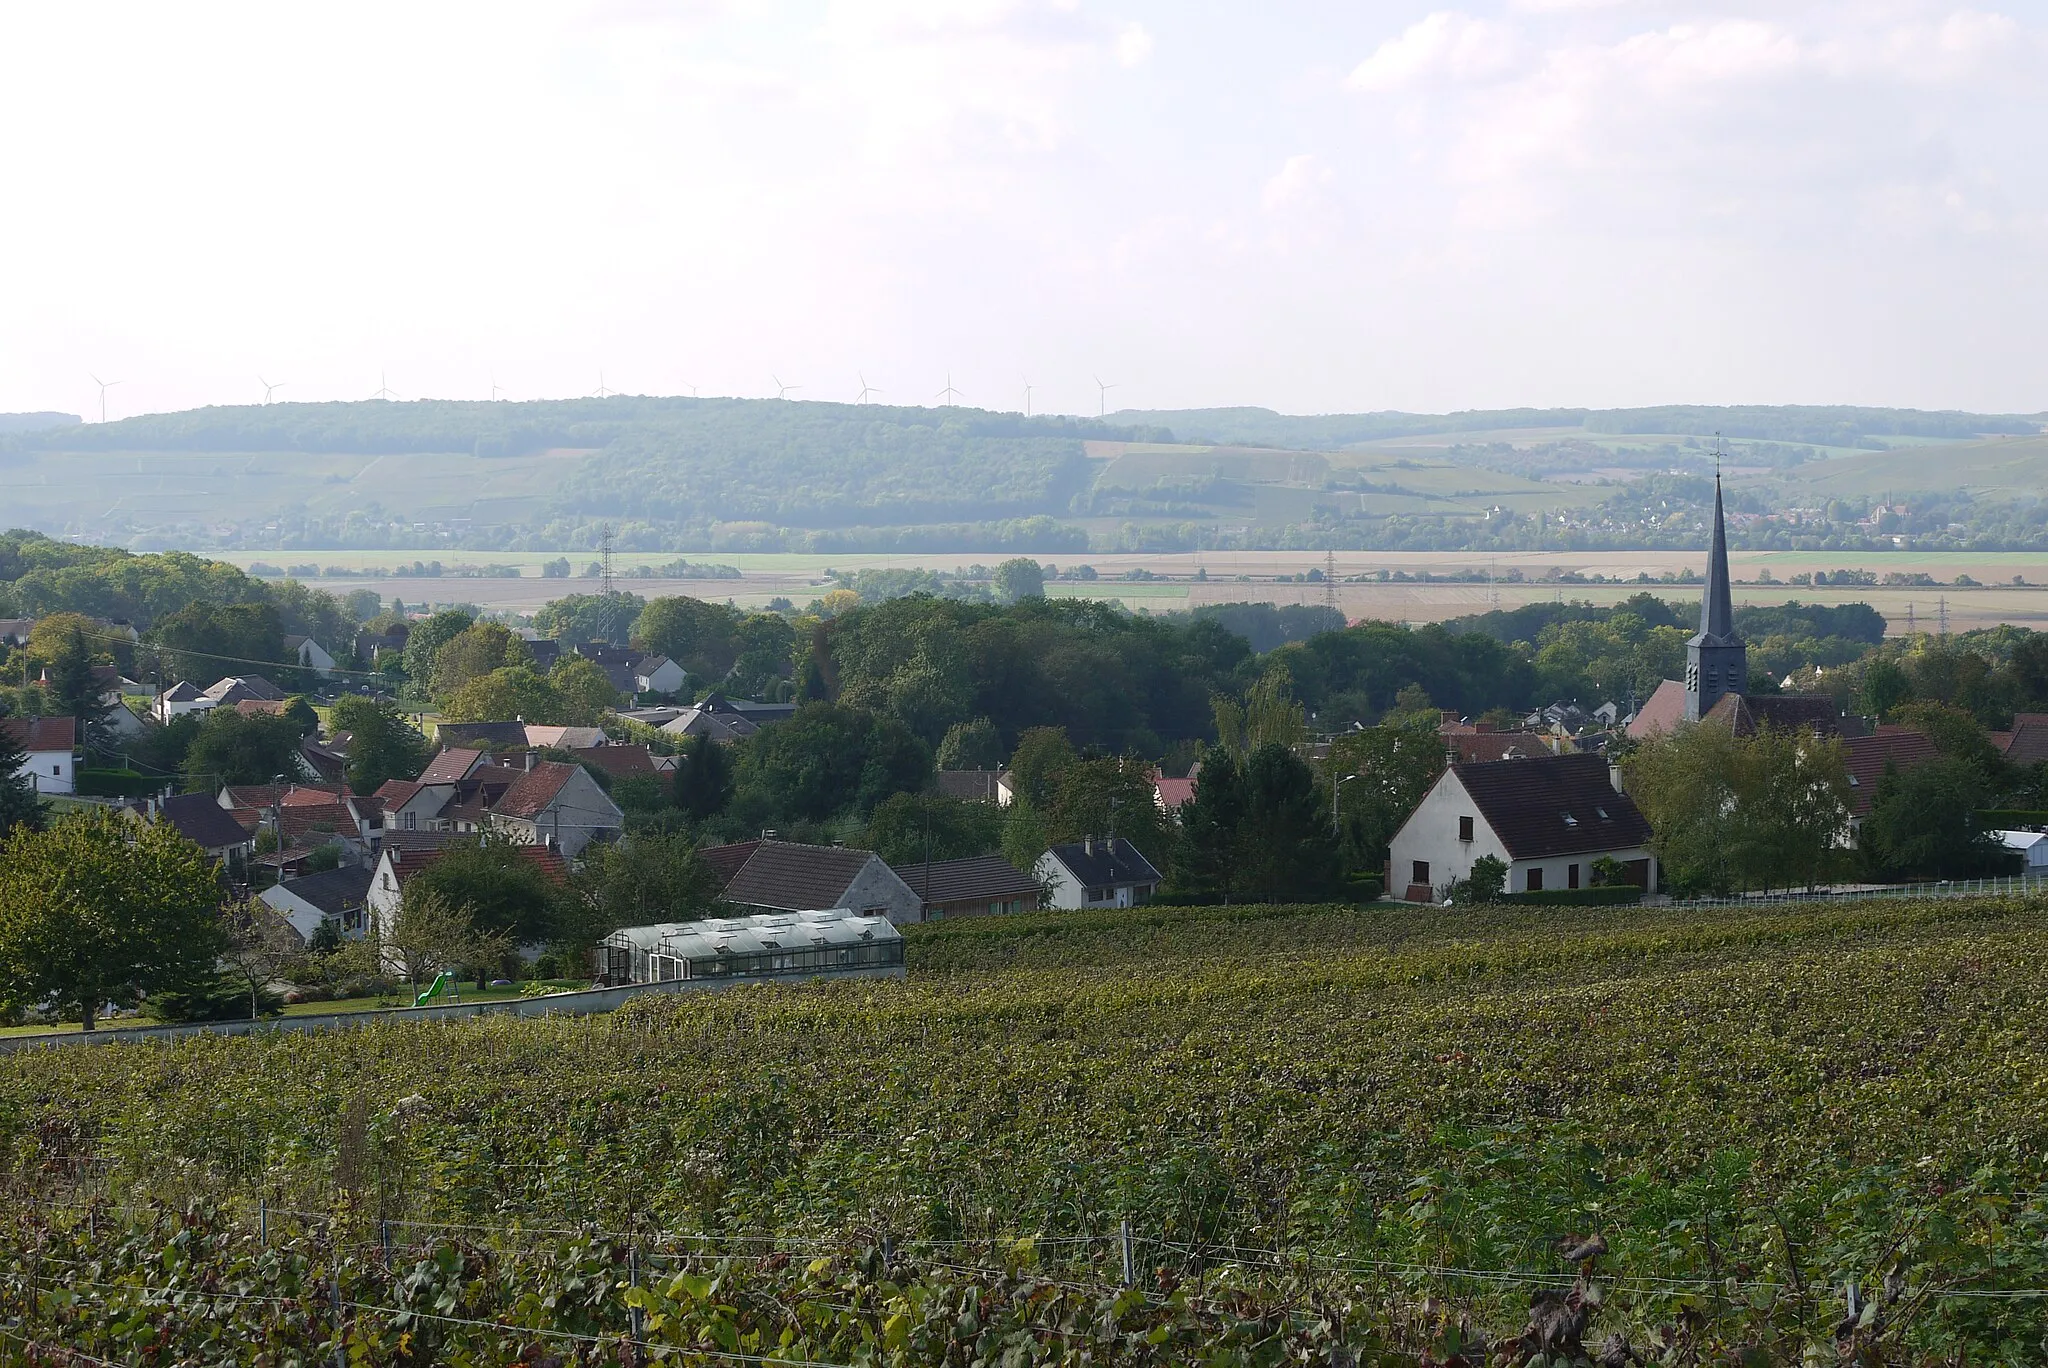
(412, 821)
(1464, 828)
(1571, 876)
(1420, 872)
(1535, 881)
(1570, 820)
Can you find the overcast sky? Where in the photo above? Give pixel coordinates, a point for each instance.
(1308, 206)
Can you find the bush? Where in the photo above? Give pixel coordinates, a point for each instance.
(224, 999)
(1614, 894)
(2007, 819)
(114, 783)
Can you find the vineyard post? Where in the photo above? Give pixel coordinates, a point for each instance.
(340, 1319)
(263, 1222)
(385, 1229)
(1124, 1239)
(634, 1315)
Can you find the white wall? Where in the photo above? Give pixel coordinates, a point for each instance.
(1431, 833)
(1066, 890)
(580, 813)
(878, 886)
(51, 771)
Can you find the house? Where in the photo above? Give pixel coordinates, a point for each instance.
(619, 762)
(980, 886)
(1868, 757)
(1473, 747)
(2027, 742)
(760, 714)
(828, 943)
(1171, 795)
(556, 805)
(544, 652)
(14, 631)
(1661, 712)
(2031, 847)
(1109, 872)
(497, 738)
(975, 786)
(657, 674)
(49, 746)
(786, 876)
(724, 727)
(339, 897)
(238, 688)
(1548, 818)
(204, 822)
(403, 857)
(564, 738)
(376, 649)
(1745, 714)
(310, 654)
(179, 699)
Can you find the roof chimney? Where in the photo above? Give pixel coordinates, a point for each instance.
(529, 762)
(1087, 845)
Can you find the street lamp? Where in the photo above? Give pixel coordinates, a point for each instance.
(1337, 787)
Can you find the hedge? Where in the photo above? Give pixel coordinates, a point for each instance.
(2005, 819)
(115, 783)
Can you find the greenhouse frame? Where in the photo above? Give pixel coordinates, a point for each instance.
(835, 943)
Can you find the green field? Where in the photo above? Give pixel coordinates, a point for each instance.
(1292, 1107)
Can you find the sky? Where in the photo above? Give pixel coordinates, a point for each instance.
(1309, 207)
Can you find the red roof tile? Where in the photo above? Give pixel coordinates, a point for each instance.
(1867, 757)
(450, 766)
(43, 733)
(532, 792)
(1662, 711)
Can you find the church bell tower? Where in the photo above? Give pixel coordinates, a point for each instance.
(1716, 661)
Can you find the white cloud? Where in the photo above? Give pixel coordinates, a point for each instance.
(1299, 184)
(1445, 45)
(1133, 45)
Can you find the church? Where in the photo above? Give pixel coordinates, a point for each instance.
(1716, 685)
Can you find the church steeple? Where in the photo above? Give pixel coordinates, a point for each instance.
(1716, 661)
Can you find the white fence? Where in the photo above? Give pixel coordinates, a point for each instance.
(2012, 885)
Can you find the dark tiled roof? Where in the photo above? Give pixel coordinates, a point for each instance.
(201, 820)
(974, 786)
(1817, 713)
(1868, 755)
(620, 762)
(981, 878)
(452, 765)
(235, 688)
(728, 860)
(409, 843)
(796, 878)
(1528, 802)
(332, 891)
(315, 824)
(43, 733)
(180, 692)
(1479, 747)
(481, 735)
(532, 792)
(1175, 794)
(2027, 743)
(1102, 867)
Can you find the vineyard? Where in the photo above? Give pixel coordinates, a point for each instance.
(1226, 1135)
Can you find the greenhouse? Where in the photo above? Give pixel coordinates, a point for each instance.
(823, 944)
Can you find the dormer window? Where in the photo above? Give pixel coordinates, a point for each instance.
(1570, 820)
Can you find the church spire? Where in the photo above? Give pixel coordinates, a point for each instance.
(1717, 606)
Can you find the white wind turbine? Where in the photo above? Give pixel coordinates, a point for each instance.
(782, 390)
(949, 394)
(104, 385)
(384, 391)
(1102, 397)
(865, 389)
(270, 386)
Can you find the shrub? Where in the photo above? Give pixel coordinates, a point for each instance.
(114, 783)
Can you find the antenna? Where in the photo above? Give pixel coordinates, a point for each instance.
(949, 394)
(1330, 580)
(269, 385)
(1027, 396)
(1941, 615)
(1493, 587)
(104, 385)
(384, 391)
(782, 390)
(1102, 398)
(865, 389)
(602, 393)
(1911, 626)
(605, 548)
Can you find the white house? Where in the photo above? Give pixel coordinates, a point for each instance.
(557, 805)
(337, 896)
(2030, 846)
(658, 674)
(1547, 817)
(48, 748)
(1105, 872)
(310, 654)
(179, 699)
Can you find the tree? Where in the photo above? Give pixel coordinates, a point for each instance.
(1042, 754)
(638, 882)
(1286, 852)
(1923, 824)
(1381, 774)
(101, 909)
(206, 641)
(72, 690)
(703, 781)
(1268, 714)
(701, 637)
(1488, 880)
(585, 691)
(382, 745)
(19, 804)
(590, 617)
(258, 944)
(423, 644)
(431, 934)
(500, 884)
(300, 714)
(826, 760)
(474, 652)
(515, 693)
(234, 747)
(765, 646)
(909, 827)
(972, 745)
(1019, 578)
(1025, 837)
(1205, 859)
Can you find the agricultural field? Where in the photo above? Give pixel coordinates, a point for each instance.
(1332, 1135)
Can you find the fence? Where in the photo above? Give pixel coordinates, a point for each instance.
(2010, 885)
(588, 1002)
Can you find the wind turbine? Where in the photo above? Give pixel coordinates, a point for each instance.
(494, 389)
(1027, 396)
(384, 391)
(601, 392)
(269, 385)
(865, 389)
(782, 390)
(1102, 397)
(104, 385)
(949, 394)
(693, 391)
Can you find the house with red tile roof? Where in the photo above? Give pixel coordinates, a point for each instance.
(48, 746)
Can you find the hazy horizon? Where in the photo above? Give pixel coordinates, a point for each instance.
(1546, 203)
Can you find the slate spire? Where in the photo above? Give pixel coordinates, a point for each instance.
(1717, 606)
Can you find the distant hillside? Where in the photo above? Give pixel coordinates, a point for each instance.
(34, 422)
(1816, 425)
